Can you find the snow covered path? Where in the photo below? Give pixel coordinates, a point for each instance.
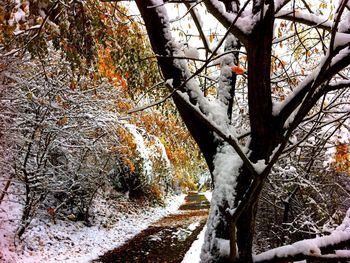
(73, 242)
(168, 239)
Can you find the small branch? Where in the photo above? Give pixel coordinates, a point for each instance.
(198, 25)
(151, 104)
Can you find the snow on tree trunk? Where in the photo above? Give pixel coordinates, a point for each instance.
(227, 167)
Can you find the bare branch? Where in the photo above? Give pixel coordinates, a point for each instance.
(191, 9)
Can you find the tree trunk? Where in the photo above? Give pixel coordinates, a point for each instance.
(245, 233)
(265, 133)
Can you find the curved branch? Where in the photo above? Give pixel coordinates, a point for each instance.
(313, 81)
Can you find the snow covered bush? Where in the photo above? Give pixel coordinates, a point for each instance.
(62, 136)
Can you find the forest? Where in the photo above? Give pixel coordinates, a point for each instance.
(113, 113)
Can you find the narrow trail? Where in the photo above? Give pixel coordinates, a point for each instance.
(168, 239)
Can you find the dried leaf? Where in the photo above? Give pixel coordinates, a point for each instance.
(238, 70)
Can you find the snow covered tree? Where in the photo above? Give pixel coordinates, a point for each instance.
(283, 70)
(279, 99)
(57, 163)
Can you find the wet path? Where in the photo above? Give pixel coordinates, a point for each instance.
(168, 239)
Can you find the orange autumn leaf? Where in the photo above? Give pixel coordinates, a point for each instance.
(114, 149)
(129, 163)
(51, 211)
(211, 37)
(238, 70)
(347, 157)
(73, 85)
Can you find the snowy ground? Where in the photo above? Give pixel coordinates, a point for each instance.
(69, 241)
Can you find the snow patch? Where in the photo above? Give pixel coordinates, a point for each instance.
(19, 15)
(142, 149)
(191, 52)
(259, 166)
(341, 39)
(192, 255)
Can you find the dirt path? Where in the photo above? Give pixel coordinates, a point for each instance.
(168, 239)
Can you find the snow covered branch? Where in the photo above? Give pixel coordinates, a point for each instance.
(313, 248)
(239, 25)
(339, 85)
(308, 87)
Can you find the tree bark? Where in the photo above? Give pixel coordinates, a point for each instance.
(266, 132)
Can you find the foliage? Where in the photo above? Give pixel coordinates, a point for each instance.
(179, 145)
(68, 82)
(93, 34)
(342, 158)
(102, 41)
